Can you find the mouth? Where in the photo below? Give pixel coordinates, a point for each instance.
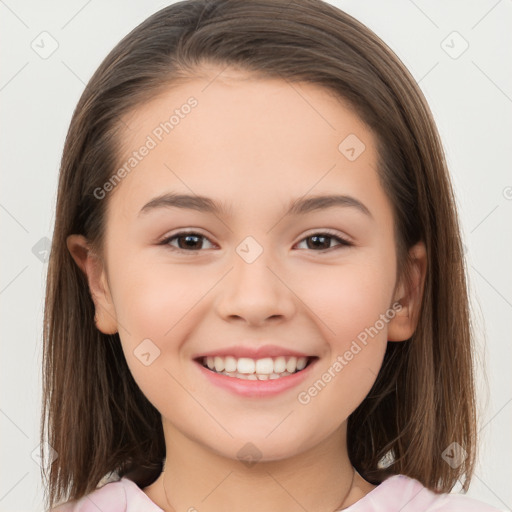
(245, 368)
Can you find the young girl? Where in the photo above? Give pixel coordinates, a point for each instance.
(256, 295)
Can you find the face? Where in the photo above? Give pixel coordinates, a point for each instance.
(242, 282)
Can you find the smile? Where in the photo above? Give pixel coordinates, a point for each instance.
(268, 368)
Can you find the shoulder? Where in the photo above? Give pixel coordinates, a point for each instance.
(400, 492)
(119, 496)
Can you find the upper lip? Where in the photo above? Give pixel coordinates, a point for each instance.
(260, 352)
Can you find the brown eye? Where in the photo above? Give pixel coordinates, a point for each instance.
(186, 241)
(322, 241)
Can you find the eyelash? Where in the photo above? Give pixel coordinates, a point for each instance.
(342, 241)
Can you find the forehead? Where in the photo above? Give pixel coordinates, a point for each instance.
(243, 139)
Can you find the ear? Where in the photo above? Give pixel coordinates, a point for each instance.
(92, 266)
(409, 294)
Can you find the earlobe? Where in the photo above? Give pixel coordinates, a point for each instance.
(91, 265)
(409, 294)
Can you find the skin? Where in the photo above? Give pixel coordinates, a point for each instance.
(253, 144)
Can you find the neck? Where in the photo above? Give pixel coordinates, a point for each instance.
(195, 478)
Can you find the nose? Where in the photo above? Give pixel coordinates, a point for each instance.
(256, 293)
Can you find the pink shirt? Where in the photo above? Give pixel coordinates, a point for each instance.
(396, 493)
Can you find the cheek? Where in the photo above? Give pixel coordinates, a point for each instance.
(348, 302)
(158, 307)
(347, 299)
(152, 299)
(154, 304)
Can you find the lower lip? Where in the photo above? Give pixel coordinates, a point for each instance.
(256, 388)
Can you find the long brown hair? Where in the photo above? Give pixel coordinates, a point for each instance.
(94, 415)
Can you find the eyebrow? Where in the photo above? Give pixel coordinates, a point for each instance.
(298, 206)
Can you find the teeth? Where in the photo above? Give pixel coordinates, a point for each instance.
(265, 366)
(279, 364)
(251, 369)
(245, 365)
(291, 364)
(246, 376)
(219, 364)
(253, 376)
(301, 363)
(229, 364)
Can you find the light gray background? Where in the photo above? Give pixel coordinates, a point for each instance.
(470, 96)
